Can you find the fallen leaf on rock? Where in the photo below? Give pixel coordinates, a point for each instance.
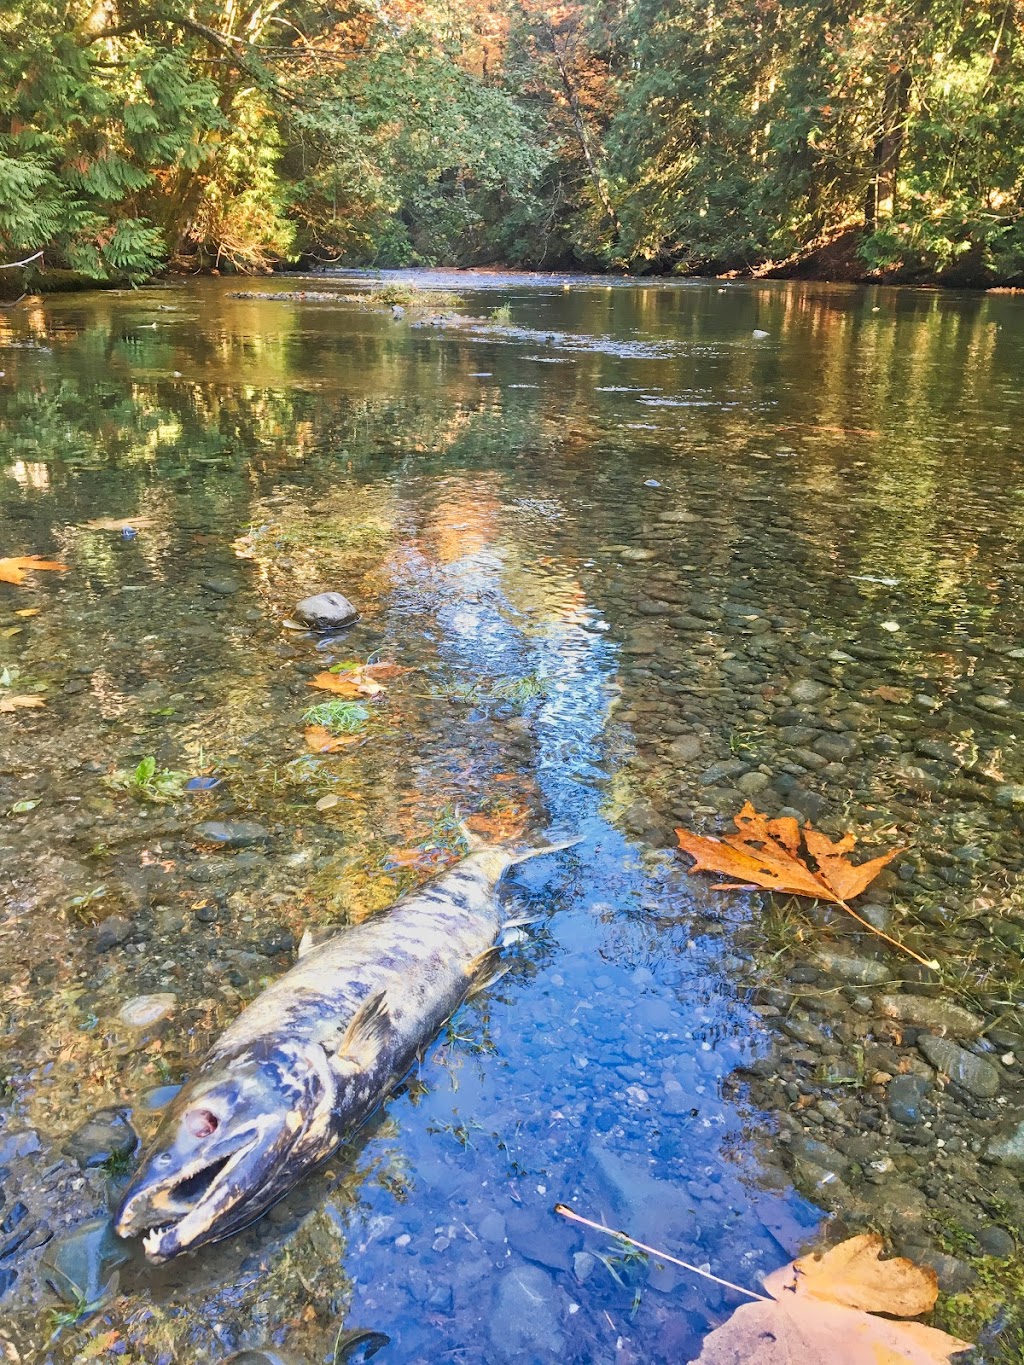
(767, 854)
(321, 741)
(28, 611)
(17, 703)
(823, 1308)
(118, 523)
(14, 568)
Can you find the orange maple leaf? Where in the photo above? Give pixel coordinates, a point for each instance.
(365, 681)
(14, 568)
(767, 854)
(321, 741)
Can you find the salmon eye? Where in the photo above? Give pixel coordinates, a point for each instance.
(201, 1123)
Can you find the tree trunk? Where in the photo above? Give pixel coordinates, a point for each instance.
(881, 195)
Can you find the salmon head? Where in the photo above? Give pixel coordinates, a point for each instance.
(235, 1140)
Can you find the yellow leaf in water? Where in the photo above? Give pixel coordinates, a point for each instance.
(823, 1309)
(29, 611)
(17, 703)
(346, 684)
(321, 741)
(118, 523)
(14, 568)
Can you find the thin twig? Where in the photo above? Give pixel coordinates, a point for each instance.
(13, 265)
(932, 965)
(566, 1212)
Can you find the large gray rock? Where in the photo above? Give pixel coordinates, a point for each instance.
(973, 1074)
(326, 611)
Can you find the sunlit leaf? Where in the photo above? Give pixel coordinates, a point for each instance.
(766, 853)
(823, 1308)
(321, 741)
(14, 568)
(26, 702)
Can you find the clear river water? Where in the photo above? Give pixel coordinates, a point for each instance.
(648, 551)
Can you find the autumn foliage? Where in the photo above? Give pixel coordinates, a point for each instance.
(780, 855)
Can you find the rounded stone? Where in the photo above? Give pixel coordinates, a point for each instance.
(997, 1242)
(326, 611)
(104, 1135)
(904, 1096)
(806, 691)
(144, 1010)
(232, 833)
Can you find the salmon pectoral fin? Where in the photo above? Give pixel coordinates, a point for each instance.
(486, 968)
(365, 1036)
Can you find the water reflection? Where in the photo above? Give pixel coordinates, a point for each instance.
(606, 575)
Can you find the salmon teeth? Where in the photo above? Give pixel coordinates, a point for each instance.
(151, 1241)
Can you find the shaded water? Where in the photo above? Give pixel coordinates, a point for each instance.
(650, 550)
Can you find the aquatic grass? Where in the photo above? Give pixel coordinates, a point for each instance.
(82, 908)
(474, 692)
(118, 1164)
(148, 782)
(519, 691)
(502, 314)
(990, 1312)
(340, 717)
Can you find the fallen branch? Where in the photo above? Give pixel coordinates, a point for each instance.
(14, 265)
(564, 1211)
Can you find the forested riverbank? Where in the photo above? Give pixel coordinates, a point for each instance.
(861, 141)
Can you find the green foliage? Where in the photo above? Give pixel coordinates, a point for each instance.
(149, 783)
(341, 717)
(235, 136)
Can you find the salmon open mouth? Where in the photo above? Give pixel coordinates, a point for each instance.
(185, 1212)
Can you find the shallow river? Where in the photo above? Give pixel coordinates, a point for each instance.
(648, 551)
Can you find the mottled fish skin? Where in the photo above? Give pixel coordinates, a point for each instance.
(310, 1058)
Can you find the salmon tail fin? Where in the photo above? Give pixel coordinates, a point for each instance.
(514, 854)
(525, 854)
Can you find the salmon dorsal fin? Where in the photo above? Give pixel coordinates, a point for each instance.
(313, 938)
(365, 1035)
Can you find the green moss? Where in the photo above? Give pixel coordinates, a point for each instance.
(990, 1313)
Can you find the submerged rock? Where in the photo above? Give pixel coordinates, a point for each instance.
(144, 1010)
(232, 833)
(1007, 1147)
(112, 932)
(523, 1323)
(929, 1013)
(105, 1134)
(973, 1074)
(326, 611)
(904, 1097)
(859, 971)
(82, 1264)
